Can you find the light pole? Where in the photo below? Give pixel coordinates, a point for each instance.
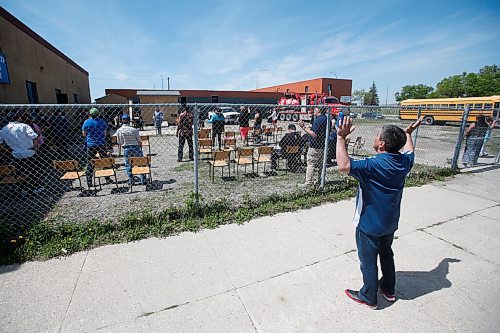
(260, 70)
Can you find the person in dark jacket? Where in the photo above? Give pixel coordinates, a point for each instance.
(185, 133)
(292, 138)
(217, 120)
(244, 122)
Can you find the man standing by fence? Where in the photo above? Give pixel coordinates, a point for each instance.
(185, 133)
(381, 181)
(316, 135)
(94, 131)
(158, 119)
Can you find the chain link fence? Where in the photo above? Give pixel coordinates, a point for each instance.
(59, 162)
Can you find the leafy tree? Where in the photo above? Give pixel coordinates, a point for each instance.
(484, 83)
(417, 91)
(371, 98)
(359, 95)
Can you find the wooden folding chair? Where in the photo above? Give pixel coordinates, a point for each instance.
(104, 167)
(145, 142)
(289, 151)
(140, 166)
(278, 131)
(230, 135)
(70, 170)
(9, 176)
(220, 160)
(357, 145)
(263, 156)
(268, 132)
(205, 146)
(203, 135)
(114, 143)
(205, 130)
(229, 145)
(245, 157)
(253, 135)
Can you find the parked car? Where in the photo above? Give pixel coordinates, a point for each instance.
(372, 115)
(230, 115)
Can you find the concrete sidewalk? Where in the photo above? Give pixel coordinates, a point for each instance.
(283, 273)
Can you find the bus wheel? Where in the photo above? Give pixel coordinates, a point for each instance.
(429, 120)
(282, 116)
(288, 117)
(295, 117)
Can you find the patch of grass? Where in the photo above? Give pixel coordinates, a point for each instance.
(52, 238)
(184, 167)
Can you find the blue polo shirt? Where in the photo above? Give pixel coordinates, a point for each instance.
(381, 181)
(96, 132)
(318, 127)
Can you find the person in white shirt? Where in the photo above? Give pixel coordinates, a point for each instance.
(20, 138)
(128, 137)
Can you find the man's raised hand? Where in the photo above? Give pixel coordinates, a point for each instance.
(413, 126)
(345, 127)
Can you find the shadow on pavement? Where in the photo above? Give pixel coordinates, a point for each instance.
(414, 284)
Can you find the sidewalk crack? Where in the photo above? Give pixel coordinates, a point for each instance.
(73, 292)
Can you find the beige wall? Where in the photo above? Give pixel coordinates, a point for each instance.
(27, 59)
(170, 112)
(112, 99)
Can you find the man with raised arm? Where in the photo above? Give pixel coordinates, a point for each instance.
(381, 180)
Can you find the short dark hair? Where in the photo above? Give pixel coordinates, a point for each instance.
(394, 138)
(292, 127)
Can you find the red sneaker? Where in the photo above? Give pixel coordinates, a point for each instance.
(387, 296)
(354, 295)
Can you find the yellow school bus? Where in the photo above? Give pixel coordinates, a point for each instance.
(442, 110)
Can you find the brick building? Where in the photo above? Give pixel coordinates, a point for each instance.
(329, 86)
(33, 71)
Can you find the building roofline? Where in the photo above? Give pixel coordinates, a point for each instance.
(23, 27)
(284, 84)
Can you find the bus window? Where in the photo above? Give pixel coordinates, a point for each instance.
(497, 105)
(460, 106)
(443, 106)
(453, 106)
(488, 105)
(478, 105)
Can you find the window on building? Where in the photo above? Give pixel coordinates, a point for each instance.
(60, 97)
(329, 87)
(215, 99)
(306, 89)
(288, 90)
(75, 98)
(32, 92)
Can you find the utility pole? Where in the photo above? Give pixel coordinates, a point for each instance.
(161, 82)
(168, 83)
(386, 94)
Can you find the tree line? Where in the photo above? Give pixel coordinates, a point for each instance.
(484, 83)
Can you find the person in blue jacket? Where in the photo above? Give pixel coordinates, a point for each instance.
(381, 180)
(217, 120)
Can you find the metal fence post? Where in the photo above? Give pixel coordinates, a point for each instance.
(325, 150)
(195, 148)
(415, 136)
(454, 161)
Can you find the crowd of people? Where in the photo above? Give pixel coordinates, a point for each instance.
(24, 139)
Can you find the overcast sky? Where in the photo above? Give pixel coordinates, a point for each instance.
(237, 45)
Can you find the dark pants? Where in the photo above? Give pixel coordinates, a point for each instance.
(158, 128)
(218, 136)
(292, 160)
(29, 167)
(132, 151)
(182, 141)
(91, 154)
(332, 150)
(369, 248)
